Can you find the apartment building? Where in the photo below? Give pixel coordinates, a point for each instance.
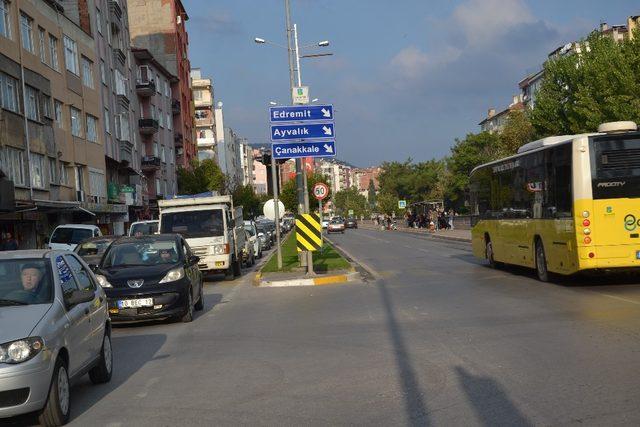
(246, 162)
(203, 100)
(155, 126)
(259, 175)
(51, 146)
(159, 27)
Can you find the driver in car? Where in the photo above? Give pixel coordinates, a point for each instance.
(31, 277)
(166, 256)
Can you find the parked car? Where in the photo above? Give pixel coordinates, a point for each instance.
(144, 227)
(58, 330)
(264, 237)
(270, 228)
(250, 226)
(92, 249)
(248, 254)
(67, 237)
(325, 223)
(336, 226)
(351, 223)
(151, 277)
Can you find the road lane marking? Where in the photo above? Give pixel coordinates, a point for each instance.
(618, 298)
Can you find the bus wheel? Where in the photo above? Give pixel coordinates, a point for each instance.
(489, 253)
(541, 262)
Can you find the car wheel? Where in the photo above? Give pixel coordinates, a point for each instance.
(541, 262)
(200, 304)
(58, 407)
(101, 373)
(253, 259)
(188, 315)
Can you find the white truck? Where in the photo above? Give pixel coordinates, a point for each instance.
(213, 228)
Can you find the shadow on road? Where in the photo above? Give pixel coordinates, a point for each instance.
(414, 403)
(490, 401)
(130, 354)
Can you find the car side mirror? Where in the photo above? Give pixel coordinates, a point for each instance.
(194, 260)
(79, 297)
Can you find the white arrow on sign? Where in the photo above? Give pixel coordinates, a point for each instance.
(326, 113)
(327, 131)
(328, 148)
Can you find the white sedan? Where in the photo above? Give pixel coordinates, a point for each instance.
(336, 226)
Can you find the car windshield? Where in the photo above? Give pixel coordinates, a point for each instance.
(25, 282)
(94, 247)
(143, 228)
(335, 221)
(193, 224)
(141, 253)
(69, 235)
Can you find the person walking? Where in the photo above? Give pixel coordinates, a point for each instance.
(10, 244)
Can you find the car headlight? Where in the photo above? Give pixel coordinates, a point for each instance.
(20, 350)
(102, 281)
(173, 275)
(218, 249)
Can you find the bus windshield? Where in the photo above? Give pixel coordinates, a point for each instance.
(615, 166)
(193, 224)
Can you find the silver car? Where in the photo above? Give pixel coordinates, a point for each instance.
(54, 327)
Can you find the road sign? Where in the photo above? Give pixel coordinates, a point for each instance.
(301, 113)
(292, 150)
(269, 209)
(302, 132)
(402, 204)
(308, 232)
(350, 212)
(320, 190)
(300, 95)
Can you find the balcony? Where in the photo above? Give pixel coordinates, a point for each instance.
(150, 163)
(126, 152)
(145, 88)
(148, 126)
(119, 55)
(115, 15)
(177, 139)
(175, 106)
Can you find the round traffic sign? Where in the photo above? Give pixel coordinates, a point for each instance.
(320, 190)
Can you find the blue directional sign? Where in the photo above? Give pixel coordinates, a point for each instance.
(302, 132)
(292, 150)
(301, 113)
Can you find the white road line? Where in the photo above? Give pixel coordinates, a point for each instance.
(618, 298)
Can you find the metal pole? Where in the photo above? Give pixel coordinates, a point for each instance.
(276, 209)
(320, 216)
(299, 177)
(304, 169)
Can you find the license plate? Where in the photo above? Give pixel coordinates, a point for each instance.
(637, 254)
(135, 303)
(219, 263)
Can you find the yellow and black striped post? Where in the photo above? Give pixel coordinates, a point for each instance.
(308, 232)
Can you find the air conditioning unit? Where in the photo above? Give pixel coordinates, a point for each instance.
(80, 195)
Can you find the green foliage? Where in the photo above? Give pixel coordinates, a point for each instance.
(203, 176)
(288, 194)
(412, 181)
(372, 194)
(387, 203)
(582, 90)
(246, 197)
(350, 199)
(517, 131)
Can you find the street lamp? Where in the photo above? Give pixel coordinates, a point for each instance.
(315, 100)
(273, 103)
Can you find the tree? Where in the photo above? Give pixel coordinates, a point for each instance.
(387, 203)
(372, 194)
(203, 176)
(581, 90)
(246, 197)
(288, 193)
(350, 199)
(517, 131)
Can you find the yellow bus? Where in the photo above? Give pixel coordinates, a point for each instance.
(562, 204)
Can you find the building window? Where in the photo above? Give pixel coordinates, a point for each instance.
(158, 186)
(5, 19)
(13, 164)
(158, 85)
(103, 72)
(26, 32)
(166, 89)
(64, 174)
(46, 106)
(31, 99)
(92, 126)
(8, 92)
(87, 73)
(107, 126)
(160, 118)
(97, 183)
(197, 95)
(121, 85)
(76, 127)
(168, 121)
(53, 52)
(163, 155)
(99, 20)
(171, 156)
(53, 169)
(57, 110)
(42, 46)
(37, 170)
(71, 55)
(155, 148)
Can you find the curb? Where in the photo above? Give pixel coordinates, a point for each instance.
(316, 281)
(425, 234)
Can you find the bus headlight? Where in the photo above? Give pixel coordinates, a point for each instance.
(586, 231)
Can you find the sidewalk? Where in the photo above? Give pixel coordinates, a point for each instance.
(457, 235)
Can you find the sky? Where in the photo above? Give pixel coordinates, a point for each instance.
(407, 77)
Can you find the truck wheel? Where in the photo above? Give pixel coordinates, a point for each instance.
(228, 274)
(541, 262)
(237, 268)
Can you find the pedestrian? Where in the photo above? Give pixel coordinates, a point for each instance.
(10, 244)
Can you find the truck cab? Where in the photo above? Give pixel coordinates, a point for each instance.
(213, 228)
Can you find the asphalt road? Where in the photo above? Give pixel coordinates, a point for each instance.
(438, 339)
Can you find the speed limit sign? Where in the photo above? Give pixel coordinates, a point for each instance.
(320, 191)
